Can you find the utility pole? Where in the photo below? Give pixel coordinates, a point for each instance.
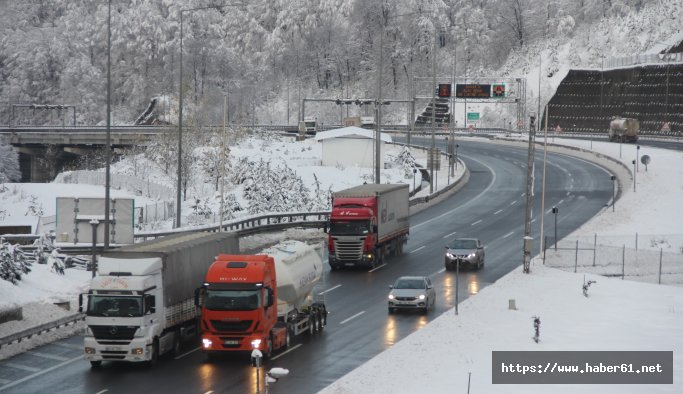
(431, 150)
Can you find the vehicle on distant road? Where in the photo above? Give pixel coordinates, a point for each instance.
(412, 292)
(624, 130)
(465, 251)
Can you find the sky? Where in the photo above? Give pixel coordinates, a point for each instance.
(617, 315)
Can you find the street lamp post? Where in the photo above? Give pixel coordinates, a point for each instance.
(107, 178)
(556, 210)
(634, 174)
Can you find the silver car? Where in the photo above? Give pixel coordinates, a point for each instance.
(412, 292)
(467, 252)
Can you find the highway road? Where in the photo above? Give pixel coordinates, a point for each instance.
(490, 206)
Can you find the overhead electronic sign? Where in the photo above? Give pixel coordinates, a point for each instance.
(472, 90)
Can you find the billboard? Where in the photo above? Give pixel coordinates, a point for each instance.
(472, 90)
(74, 215)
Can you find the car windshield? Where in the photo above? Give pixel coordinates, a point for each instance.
(114, 306)
(352, 227)
(410, 284)
(464, 244)
(232, 300)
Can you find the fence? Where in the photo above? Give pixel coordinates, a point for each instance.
(152, 213)
(651, 58)
(652, 258)
(118, 181)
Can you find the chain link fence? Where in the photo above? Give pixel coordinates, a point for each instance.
(652, 258)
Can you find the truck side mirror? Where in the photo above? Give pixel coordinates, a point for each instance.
(326, 228)
(80, 303)
(374, 228)
(150, 302)
(271, 300)
(196, 296)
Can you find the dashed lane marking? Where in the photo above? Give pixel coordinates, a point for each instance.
(508, 234)
(475, 223)
(44, 371)
(352, 317)
(448, 235)
(498, 211)
(330, 289)
(102, 391)
(514, 202)
(378, 267)
(291, 349)
(49, 356)
(186, 353)
(420, 248)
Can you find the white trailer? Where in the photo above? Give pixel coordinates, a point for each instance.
(141, 303)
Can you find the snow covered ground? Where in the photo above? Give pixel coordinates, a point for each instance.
(617, 314)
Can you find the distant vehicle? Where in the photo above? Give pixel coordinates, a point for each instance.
(624, 130)
(367, 122)
(308, 126)
(412, 292)
(465, 251)
(367, 223)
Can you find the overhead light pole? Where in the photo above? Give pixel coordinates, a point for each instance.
(107, 177)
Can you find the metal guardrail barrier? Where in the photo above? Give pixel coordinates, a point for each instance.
(45, 327)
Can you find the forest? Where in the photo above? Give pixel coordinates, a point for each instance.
(264, 55)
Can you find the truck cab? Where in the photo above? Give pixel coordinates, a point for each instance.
(308, 126)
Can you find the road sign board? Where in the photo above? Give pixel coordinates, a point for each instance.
(472, 90)
(666, 127)
(520, 124)
(558, 129)
(498, 90)
(473, 116)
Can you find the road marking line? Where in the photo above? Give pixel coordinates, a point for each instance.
(514, 202)
(209, 392)
(103, 391)
(330, 289)
(561, 201)
(22, 367)
(475, 223)
(441, 271)
(286, 351)
(420, 248)
(68, 345)
(508, 234)
(498, 211)
(548, 211)
(352, 317)
(3, 381)
(448, 235)
(522, 195)
(186, 353)
(22, 380)
(533, 220)
(568, 193)
(45, 355)
(378, 267)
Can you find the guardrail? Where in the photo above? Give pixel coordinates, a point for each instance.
(45, 327)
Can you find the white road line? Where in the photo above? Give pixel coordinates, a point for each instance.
(22, 367)
(186, 353)
(29, 377)
(448, 235)
(548, 211)
(103, 391)
(441, 271)
(330, 289)
(498, 211)
(523, 194)
(50, 356)
(508, 234)
(475, 223)
(378, 267)
(68, 345)
(352, 317)
(561, 201)
(568, 193)
(209, 392)
(420, 248)
(533, 220)
(286, 351)
(514, 202)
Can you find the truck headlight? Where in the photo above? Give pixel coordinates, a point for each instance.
(255, 343)
(137, 351)
(206, 343)
(391, 296)
(89, 350)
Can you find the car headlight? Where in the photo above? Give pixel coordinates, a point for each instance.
(471, 255)
(391, 296)
(422, 296)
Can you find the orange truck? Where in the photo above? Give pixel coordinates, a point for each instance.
(261, 301)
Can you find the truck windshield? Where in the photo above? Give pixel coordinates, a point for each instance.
(354, 227)
(232, 300)
(114, 306)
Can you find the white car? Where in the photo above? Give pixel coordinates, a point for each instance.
(412, 292)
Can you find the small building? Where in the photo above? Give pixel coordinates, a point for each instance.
(351, 146)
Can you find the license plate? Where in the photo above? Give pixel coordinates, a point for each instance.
(231, 342)
(112, 348)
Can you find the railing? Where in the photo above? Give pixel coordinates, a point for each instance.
(45, 327)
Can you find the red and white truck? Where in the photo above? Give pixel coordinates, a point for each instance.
(367, 223)
(261, 301)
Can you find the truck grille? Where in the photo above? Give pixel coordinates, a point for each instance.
(231, 326)
(113, 332)
(351, 250)
(114, 355)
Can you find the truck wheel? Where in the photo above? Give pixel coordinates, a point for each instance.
(319, 321)
(95, 364)
(311, 328)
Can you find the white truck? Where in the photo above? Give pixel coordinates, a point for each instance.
(141, 303)
(273, 288)
(624, 130)
(308, 126)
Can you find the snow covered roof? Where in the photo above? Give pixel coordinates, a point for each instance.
(352, 132)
